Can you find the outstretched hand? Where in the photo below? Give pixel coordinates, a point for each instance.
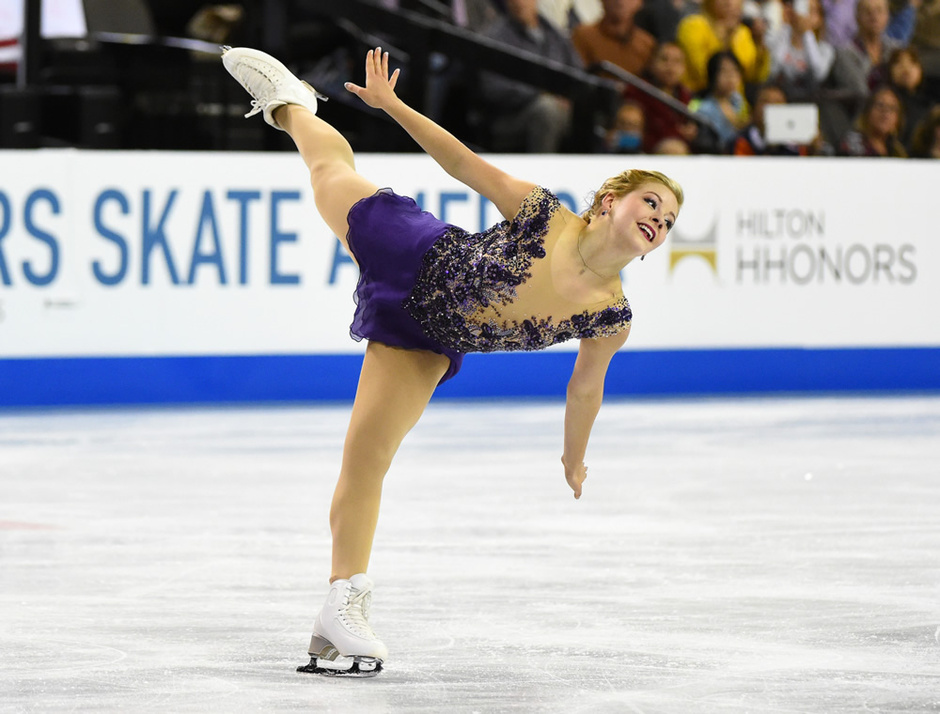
(379, 91)
(575, 475)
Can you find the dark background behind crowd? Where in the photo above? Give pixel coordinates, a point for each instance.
(528, 76)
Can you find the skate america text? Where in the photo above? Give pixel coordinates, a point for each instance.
(157, 236)
(135, 238)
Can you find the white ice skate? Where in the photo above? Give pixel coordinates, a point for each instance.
(343, 642)
(268, 81)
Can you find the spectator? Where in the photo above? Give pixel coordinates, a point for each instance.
(841, 24)
(861, 65)
(615, 38)
(752, 141)
(723, 102)
(801, 59)
(926, 141)
(906, 76)
(876, 129)
(665, 72)
(524, 118)
(719, 27)
(626, 135)
(568, 14)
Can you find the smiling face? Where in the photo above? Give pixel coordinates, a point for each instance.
(642, 218)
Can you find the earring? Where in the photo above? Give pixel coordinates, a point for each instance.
(603, 213)
(642, 257)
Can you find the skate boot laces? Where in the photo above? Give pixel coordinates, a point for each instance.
(258, 105)
(355, 616)
(262, 81)
(257, 83)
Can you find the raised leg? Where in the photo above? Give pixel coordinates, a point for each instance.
(289, 104)
(329, 158)
(395, 386)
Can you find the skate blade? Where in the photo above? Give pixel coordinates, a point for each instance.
(361, 667)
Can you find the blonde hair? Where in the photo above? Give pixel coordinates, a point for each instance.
(627, 182)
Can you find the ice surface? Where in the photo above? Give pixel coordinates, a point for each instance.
(754, 555)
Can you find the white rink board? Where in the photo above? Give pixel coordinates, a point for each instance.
(766, 253)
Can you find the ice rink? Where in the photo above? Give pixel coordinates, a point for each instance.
(729, 555)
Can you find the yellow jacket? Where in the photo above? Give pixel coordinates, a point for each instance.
(697, 37)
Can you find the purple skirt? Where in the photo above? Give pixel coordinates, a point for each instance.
(388, 236)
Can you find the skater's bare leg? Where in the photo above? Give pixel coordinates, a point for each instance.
(395, 386)
(329, 158)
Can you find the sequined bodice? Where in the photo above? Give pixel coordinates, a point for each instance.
(492, 291)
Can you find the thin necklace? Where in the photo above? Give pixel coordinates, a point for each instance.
(584, 263)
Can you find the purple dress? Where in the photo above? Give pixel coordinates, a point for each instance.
(426, 284)
(388, 235)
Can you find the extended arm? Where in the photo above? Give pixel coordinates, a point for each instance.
(505, 191)
(585, 394)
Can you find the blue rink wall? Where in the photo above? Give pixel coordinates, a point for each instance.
(126, 280)
(143, 380)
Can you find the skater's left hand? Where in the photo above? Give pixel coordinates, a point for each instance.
(575, 475)
(379, 92)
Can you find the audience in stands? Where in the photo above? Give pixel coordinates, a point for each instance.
(800, 57)
(665, 73)
(523, 118)
(719, 27)
(877, 127)
(615, 38)
(871, 66)
(842, 26)
(753, 140)
(722, 102)
(906, 76)
(626, 134)
(862, 63)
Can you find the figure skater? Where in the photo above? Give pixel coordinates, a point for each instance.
(430, 292)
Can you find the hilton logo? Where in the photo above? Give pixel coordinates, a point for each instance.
(705, 248)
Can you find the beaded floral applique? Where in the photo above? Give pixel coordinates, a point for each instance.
(463, 273)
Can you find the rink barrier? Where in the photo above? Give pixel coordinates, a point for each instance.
(124, 280)
(56, 382)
